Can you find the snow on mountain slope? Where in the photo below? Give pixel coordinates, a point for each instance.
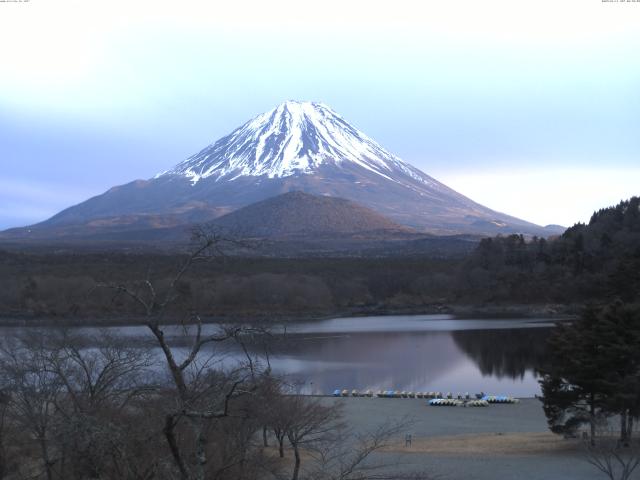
(293, 138)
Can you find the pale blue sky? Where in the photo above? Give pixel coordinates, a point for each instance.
(532, 108)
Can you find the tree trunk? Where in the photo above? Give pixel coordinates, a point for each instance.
(264, 436)
(296, 467)
(281, 446)
(629, 427)
(592, 420)
(3, 460)
(201, 452)
(45, 457)
(176, 373)
(624, 436)
(169, 434)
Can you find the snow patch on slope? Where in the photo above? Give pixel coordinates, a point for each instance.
(293, 138)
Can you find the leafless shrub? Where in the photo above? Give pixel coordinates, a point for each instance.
(34, 392)
(72, 398)
(612, 457)
(357, 456)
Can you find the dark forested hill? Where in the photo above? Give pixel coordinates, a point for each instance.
(589, 262)
(301, 214)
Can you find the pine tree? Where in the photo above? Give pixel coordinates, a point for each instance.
(621, 326)
(573, 388)
(594, 370)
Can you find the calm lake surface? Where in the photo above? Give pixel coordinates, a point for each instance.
(416, 353)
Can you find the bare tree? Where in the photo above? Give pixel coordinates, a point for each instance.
(356, 456)
(615, 458)
(197, 400)
(4, 407)
(333, 451)
(310, 423)
(277, 418)
(73, 395)
(101, 377)
(99, 370)
(34, 392)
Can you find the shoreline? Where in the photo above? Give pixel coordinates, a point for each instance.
(462, 312)
(328, 395)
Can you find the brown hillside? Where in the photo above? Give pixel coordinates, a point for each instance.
(301, 214)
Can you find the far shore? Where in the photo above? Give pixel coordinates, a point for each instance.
(515, 311)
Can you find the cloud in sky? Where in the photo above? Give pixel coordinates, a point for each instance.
(99, 93)
(534, 193)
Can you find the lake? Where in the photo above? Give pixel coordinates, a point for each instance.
(415, 353)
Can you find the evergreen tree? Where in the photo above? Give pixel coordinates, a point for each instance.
(573, 388)
(594, 370)
(621, 327)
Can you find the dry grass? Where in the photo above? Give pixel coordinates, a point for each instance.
(489, 444)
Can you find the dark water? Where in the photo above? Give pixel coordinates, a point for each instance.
(416, 353)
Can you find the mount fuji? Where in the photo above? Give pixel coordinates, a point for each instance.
(297, 146)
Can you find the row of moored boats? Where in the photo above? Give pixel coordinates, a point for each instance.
(435, 398)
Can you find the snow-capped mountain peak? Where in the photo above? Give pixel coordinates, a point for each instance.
(291, 139)
(295, 147)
